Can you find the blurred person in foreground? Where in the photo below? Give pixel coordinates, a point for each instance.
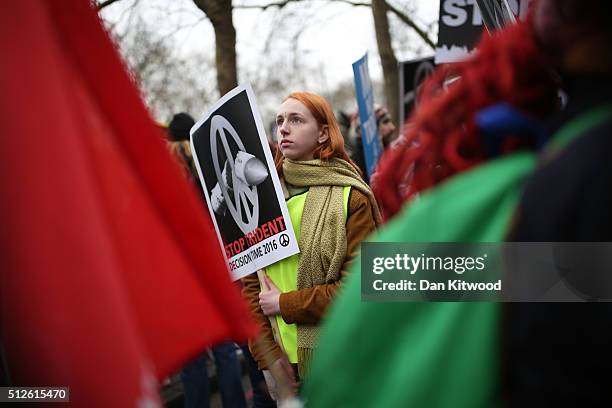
(554, 353)
(470, 153)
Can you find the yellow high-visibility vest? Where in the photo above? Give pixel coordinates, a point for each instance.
(284, 272)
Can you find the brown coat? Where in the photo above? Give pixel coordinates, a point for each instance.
(308, 306)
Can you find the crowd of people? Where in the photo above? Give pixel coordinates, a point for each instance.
(526, 122)
(112, 278)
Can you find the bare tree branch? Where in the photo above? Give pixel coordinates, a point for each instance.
(283, 3)
(129, 14)
(410, 22)
(105, 3)
(354, 3)
(279, 4)
(401, 15)
(183, 27)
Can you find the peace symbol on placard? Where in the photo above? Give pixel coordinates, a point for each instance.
(284, 240)
(243, 204)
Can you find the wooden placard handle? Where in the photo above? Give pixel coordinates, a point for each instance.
(273, 323)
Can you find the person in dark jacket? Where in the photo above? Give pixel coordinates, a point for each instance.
(555, 353)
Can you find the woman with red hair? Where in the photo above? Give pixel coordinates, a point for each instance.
(332, 209)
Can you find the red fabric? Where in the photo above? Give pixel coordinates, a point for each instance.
(111, 275)
(441, 138)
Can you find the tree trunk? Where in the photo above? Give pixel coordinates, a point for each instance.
(387, 57)
(220, 14)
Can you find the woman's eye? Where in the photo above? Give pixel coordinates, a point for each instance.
(296, 120)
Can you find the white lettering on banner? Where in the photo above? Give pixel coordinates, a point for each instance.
(370, 127)
(367, 87)
(476, 16)
(456, 15)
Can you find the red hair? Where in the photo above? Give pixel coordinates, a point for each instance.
(324, 115)
(442, 138)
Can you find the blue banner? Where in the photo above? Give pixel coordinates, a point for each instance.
(372, 146)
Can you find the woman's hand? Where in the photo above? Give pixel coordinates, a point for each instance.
(269, 299)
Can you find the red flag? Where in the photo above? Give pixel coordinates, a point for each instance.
(111, 275)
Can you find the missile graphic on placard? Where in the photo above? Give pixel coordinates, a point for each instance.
(249, 171)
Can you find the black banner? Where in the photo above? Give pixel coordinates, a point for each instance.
(412, 74)
(462, 22)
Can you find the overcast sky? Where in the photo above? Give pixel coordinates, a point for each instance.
(335, 35)
(338, 37)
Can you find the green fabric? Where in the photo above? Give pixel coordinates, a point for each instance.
(428, 354)
(422, 354)
(284, 273)
(323, 232)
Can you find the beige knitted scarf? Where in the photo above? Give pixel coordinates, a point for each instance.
(323, 230)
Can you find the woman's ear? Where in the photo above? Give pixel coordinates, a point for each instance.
(323, 134)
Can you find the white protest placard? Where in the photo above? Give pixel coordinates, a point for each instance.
(241, 185)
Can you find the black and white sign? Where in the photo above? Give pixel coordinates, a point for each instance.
(412, 74)
(463, 21)
(241, 185)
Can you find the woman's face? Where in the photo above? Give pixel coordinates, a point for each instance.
(299, 133)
